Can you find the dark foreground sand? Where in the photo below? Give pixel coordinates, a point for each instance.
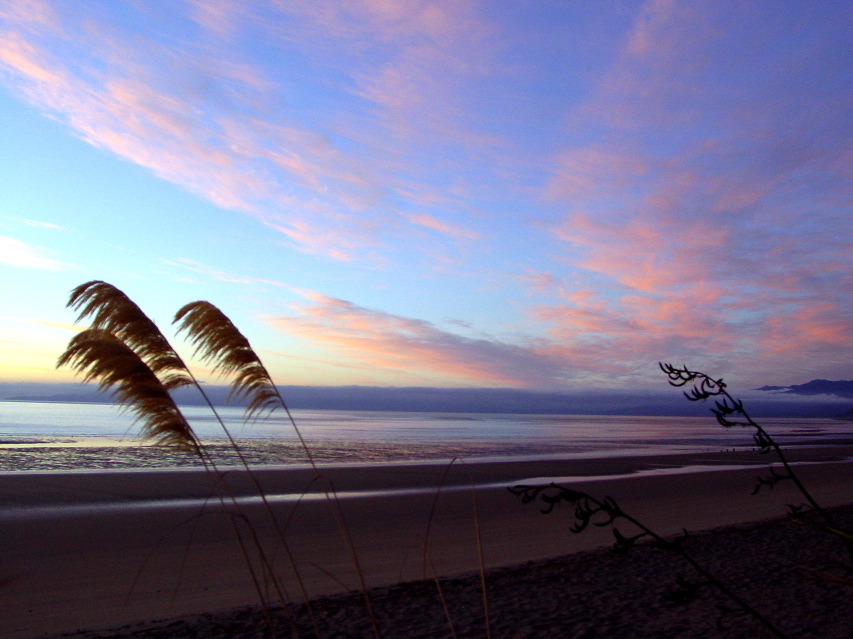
(93, 551)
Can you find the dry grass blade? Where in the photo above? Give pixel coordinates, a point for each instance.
(220, 343)
(109, 309)
(102, 357)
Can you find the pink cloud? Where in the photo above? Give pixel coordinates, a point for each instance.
(594, 170)
(35, 12)
(807, 329)
(692, 202)
(389, 20)
(221, 17)
(414, 351)
(646, 253)
(318, 240)
(431, 222)
(25, 59)
(202, 120)
(706, 214)
(431, 54)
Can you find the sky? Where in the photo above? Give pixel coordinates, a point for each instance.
(547, 195)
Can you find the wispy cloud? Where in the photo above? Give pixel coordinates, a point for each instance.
(602, 188)
(41, 224)
(431, 222)
(692, 209)
(413, 351)
(220, 275)
(14, 252)
(219, 125)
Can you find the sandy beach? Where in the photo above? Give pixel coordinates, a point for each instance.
(105, 551)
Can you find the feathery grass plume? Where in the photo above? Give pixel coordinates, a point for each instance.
(100, 356)
(219, 342)
(116, 315)
(113, 311)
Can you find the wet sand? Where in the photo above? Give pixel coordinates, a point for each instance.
(97, 550)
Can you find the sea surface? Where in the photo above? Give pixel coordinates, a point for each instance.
(419, 435)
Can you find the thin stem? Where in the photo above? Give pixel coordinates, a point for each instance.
(704, 387)
(250, 473)
(686, 556)
(782, 458)
(481, 560)
(588, 507)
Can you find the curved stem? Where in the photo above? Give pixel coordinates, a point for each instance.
(253, 478)
(687, 557)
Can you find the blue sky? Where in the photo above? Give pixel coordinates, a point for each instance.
(545, 195)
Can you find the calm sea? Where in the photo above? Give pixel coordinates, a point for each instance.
(430, 433)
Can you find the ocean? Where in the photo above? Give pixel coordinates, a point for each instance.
(418, 435)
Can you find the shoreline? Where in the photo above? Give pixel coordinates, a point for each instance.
(141, 564)
(97, 453)
(23, 488)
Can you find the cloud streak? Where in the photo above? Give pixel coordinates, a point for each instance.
(204, 120)
(416, 352)
(692, 209)
(14, 252)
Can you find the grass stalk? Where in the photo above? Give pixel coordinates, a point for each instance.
(218, 341)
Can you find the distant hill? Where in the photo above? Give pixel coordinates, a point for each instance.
(840, 388)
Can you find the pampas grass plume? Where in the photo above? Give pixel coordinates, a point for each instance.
(110, 310)
(100, 356)
(219, 342)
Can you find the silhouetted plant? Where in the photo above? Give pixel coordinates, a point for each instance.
(125, 352)
(108, 309)
(219, 342)
(102, 357)
(731, 413)
(591, 511)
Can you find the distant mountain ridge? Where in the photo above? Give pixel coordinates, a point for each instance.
(840, 388)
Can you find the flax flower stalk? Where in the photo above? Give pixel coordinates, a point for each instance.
(730, 412)
(591, 511)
